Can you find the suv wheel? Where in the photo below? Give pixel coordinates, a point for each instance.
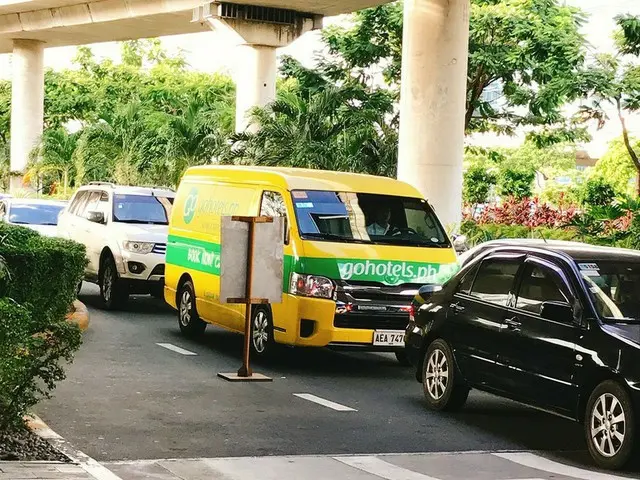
(441, 382)
(610, 426)
(112, 290)
(190, 323)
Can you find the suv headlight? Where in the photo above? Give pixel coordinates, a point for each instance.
(311, 286)
(138, 247)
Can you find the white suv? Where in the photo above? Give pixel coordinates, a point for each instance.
(125, 232)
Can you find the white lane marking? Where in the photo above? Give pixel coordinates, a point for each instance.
(174, 348)
(546, 465)
(382, 469)
(84, 461)
(325, 403)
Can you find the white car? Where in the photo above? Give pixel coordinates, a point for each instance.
(125, 232)
(37, 214)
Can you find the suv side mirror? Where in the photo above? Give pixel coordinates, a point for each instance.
(557, 312)
(96, 217)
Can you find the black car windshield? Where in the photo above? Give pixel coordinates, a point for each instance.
(34, 213)
(146, 209)
(367, 218)
(614, 287)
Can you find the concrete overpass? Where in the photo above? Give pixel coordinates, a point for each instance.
(433, 84)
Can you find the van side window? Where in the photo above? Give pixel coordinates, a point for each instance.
(273, 206)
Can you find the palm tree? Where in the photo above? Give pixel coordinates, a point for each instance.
(335, 127)
(54, 155)
(196, 136)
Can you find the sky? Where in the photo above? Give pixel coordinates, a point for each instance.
(197, 49)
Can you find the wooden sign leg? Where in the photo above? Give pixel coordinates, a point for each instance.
(245, 369)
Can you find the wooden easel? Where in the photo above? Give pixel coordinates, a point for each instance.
(244, 372)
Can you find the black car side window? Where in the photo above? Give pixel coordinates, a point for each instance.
(465, 284)
(495, 279)
(540, 284)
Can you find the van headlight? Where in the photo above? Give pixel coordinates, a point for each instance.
(138, 247)
(311, 286)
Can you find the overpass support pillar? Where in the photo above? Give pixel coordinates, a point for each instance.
(432, 102)
(259, 31)
(27, 105)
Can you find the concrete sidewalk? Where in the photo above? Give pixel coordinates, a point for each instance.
(42, 471)
(429, 466)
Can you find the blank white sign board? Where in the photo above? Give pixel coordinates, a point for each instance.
(268, 254)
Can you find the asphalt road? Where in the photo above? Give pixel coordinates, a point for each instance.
(128, 398)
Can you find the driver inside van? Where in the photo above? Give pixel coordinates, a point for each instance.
(380, 225)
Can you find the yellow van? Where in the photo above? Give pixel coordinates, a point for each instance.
(356, 250)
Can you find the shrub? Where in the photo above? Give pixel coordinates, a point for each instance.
(598, 192)
(516, 183)
(477, 233)
(36, 293)
(478, 182)
(527, 213)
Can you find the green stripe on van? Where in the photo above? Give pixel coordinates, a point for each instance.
(194, 254)
(205, 257)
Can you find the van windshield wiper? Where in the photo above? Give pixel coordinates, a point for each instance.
(333, 236)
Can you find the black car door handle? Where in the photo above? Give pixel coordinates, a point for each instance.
(513, 324)
(457, 308)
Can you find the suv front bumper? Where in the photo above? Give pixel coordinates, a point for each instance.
(138, 267)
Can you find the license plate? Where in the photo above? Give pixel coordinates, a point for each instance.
(388, 338)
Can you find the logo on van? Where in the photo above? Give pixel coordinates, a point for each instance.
(189, 209)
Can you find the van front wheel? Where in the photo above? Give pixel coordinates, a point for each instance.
(262, 342)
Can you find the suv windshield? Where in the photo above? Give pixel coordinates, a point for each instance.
(614, 288)
(34, 214)
(367, 218)
(147, 209)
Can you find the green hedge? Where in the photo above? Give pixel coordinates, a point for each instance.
(37, 287)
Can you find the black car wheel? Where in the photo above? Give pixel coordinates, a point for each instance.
(441, 382)
(190, 323)
(610, 426)
(112, 290)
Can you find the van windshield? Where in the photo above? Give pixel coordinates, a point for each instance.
(367, 218)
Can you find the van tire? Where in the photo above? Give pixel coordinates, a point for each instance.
(190, 323)
(113, 291)
(261, 341)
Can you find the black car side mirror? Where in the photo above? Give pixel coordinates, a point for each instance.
(427, 290)
(557, 312)
(96, 217)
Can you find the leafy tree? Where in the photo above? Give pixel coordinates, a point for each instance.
(616, 167)
(531, 50)
(516, 183)
(615, 80)
(478, 182)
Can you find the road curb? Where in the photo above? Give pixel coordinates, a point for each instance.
(80, 315)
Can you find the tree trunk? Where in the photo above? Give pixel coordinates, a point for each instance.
(66, 181)
(627, 144)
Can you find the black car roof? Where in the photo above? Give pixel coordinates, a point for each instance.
(577, 251)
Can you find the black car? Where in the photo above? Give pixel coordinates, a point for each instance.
(554, 327)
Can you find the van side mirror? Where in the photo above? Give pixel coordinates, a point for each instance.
(460, 243)
(96, 217)
(557, 312)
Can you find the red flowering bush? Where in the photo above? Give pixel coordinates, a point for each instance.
(528, 212)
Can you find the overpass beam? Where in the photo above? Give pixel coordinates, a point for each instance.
(432, 102)
(259, 31)
(27, 105)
